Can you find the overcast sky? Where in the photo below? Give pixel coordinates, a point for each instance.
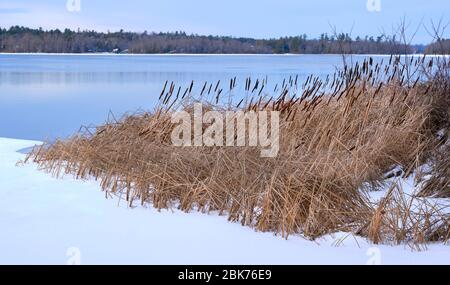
(258, 18)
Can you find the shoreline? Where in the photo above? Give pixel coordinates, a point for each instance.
(212, 54)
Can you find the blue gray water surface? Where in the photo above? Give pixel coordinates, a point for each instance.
(49, 96)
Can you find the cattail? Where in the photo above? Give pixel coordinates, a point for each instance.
(239, 104)
(192, 85)
(415, 83)
(260, 91)
(209, 90)
(203, 89)
(256, 85)
(267, 103)
(217, 98)
(185, 93)
(217, 86)
(164, 90)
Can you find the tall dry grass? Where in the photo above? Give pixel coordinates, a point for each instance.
(338, 139)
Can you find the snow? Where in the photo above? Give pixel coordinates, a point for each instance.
(48, 221)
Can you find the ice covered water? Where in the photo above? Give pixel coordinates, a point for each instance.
(48, 96)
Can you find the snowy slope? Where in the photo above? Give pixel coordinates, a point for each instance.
(49, 221)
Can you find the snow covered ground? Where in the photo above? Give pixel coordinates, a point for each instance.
(48, 221)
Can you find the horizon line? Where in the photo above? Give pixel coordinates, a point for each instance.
(308, 37)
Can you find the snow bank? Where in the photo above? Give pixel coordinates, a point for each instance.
(49, 221)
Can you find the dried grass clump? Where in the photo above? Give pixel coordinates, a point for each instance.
(400, 217)
(338, 139)
(438, 183)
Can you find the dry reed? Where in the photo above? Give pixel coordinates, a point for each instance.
(338, 139)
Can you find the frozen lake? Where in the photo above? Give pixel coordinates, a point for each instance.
(48, 96)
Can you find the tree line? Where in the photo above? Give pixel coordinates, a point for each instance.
(19, 39)
(441, 46)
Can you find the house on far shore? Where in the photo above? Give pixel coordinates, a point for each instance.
(118, 51)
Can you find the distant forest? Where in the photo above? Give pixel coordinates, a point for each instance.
(20, 40)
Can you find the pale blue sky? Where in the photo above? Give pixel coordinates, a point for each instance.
(259, 18)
